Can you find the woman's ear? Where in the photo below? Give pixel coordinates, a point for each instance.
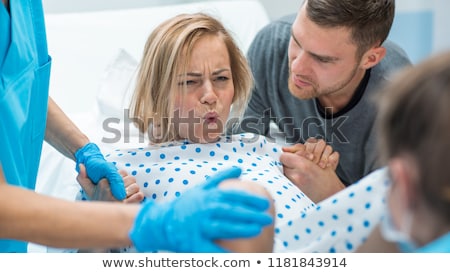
(373, 56)
(404, 177)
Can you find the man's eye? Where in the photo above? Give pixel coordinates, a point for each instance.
(323, 60)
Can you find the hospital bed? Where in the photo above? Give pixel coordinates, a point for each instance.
(95, 55)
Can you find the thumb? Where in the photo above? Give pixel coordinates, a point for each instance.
(230, 173)
(84, 181)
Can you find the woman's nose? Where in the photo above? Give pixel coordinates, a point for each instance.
(209, 95)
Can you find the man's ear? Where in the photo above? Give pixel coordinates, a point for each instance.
(373, 56)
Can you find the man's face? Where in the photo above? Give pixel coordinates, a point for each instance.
(322, 61)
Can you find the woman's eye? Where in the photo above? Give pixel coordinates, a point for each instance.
(187, 83)
(222, 78)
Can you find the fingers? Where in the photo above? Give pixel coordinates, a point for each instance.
(317, 151)
(315, 147)
(310, 145)
(218, 229)
(82, 178)
(134, 198)
(296, 167)
(230, 173)
(134, 194)
(123, 173)
(325, 156)
(333, 160)
(117, 185)
(244, 199)
(290, 160)
(132, 189)
(299, 149)
(294, 148)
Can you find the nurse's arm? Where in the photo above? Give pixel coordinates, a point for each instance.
(62, 133)
(28, 216)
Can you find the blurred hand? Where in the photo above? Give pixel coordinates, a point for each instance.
(202, 214)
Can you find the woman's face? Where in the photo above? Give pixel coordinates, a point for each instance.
(202, 110)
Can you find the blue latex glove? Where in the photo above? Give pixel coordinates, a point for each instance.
(202, 214)
(97, 168)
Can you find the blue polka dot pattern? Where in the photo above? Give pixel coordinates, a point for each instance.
(337, 224)
(340, 223)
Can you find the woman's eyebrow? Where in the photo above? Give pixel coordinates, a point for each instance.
(220, 71)
(191, 74)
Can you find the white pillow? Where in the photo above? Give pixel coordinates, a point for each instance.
(116, 85)
(113, 100)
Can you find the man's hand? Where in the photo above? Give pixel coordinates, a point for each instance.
(317, 183)
(317, 151)
(311, 167)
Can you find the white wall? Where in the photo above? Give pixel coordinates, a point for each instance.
(275, 8)
(279, 8)
(430, 39)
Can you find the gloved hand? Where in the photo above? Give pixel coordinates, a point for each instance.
(202, 214)
(97, 168)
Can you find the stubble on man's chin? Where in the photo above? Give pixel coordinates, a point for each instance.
(301, 93)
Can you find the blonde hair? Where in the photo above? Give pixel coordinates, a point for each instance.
(166, 53)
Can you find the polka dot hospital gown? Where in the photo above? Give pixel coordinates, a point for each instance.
(337, 224)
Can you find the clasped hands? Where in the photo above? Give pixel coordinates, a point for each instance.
(311, 167)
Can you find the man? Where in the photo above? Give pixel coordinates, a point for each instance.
(315, 74)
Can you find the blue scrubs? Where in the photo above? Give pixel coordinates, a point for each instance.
(24, 81)
(440, 245)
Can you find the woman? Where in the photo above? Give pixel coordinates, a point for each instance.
(191, 75)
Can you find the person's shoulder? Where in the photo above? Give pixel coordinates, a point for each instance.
(395, 55)
(394, 51)
(395, 60)
(286, 19)
(284, 22)
(278, 27)
(272, 38)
